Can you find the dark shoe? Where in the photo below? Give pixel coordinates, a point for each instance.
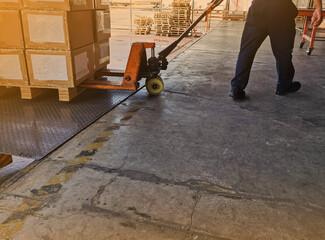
(293, 87)
(237, 93)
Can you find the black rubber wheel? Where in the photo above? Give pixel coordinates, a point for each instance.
(309, 51)
(302, 44)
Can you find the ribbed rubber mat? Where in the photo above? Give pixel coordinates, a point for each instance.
(34, 128)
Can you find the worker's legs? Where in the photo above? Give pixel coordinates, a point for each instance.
(251, 41)
(274, 18)
(253, 36)
(282, 34)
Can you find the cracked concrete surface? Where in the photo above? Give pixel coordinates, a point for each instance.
(189, 164)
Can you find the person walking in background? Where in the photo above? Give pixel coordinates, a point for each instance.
(276, 19)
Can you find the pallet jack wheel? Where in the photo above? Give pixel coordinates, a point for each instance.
(154, 85)
(309, 51)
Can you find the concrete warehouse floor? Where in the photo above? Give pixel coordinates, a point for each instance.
(190, 163)
(120, 45)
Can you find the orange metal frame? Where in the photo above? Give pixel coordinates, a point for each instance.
(136, 69)
(308, 13)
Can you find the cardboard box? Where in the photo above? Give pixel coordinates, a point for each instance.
(59, 30)
(11, 31)
(102, 25)
(101, 4)
(11, 4)
(53, 69)
(68, 5)
(13, 70)
(102, 55)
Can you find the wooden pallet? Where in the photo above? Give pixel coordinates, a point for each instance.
(234, 15)
(143, 22)
(162, 15)
(142, 30)
(176, 34)
(161, 21)
(3, 90)
(32, 92)
(142, 33)
(143, 25)
(166, 27)
(65, 94)
(162, 24)
(162, 30)
(178, 30)
(181, 10)
(180, 18)
(7, 90)
(176, 22)
(181, 23)
(162, 34)
(181, 3)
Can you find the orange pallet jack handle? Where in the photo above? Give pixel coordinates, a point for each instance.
(138, 66)
(164, 53)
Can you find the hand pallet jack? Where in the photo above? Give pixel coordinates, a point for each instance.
(307, 13)
(138, 66)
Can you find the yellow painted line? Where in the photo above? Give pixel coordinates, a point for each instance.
(14, 223)
(30, 207)
(94, 146)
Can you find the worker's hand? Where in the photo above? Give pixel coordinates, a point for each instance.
(317, 18)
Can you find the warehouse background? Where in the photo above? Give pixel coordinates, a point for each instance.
(124, 12)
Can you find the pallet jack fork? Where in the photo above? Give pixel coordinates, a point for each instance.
(139, 66)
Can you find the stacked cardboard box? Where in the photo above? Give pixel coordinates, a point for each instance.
(52, 44)
(59, 51)
(102, 34)
(13, 69)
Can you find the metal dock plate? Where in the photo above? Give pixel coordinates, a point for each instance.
(34, 128)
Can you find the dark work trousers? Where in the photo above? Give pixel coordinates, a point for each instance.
(274, 18)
